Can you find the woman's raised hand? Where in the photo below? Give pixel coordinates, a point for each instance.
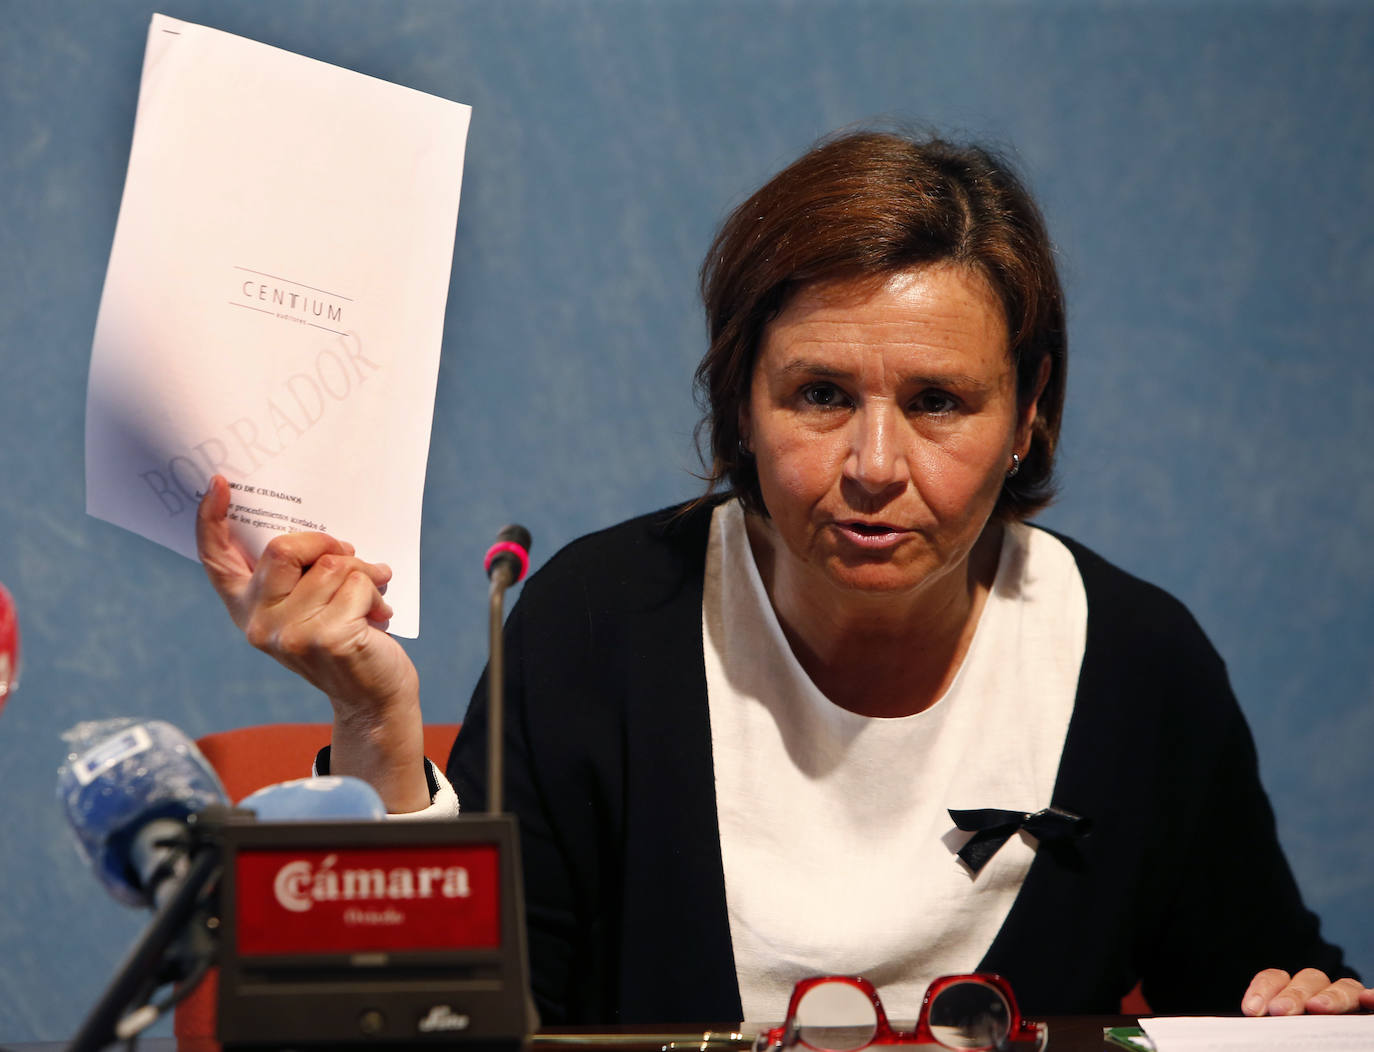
(317, 608)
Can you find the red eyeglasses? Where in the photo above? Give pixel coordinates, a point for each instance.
(843, 1014)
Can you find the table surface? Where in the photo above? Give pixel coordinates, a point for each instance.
(1067, 1034)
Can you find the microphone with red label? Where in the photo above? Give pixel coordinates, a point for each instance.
(509, 558)
(9, 647)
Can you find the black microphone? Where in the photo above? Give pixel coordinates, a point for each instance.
(510, 555)
(507, 560)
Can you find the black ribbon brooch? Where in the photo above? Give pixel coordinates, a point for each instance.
(991, 828)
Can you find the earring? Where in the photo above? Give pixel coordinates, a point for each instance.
(1015, 465)
(744, 451)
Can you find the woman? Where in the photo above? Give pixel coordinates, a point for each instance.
(754, 738)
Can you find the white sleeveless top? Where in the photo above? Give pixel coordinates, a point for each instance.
(838, 848)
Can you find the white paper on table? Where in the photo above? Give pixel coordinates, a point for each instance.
(274, 303)
(1294, 1033)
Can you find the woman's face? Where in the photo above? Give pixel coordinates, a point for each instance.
(883, 423)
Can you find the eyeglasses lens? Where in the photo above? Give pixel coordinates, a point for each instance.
(836, 1017)
(970, 1015)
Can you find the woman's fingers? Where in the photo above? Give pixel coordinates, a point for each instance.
(1274, 992)
(285, 573)
(333, 592)
(352, 586)
(328, 632)
(1341, 996)
(288, 562)
(1293, 998)
(226, 564)
(1263, 988)
(312, 604)
(337, 591)
(230, 568)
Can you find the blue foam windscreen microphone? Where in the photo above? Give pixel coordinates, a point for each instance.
(127, 792)
(337, 797)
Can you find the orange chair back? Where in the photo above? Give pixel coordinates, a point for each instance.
(247, 759)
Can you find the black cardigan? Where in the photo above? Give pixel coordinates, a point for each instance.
(608, 756)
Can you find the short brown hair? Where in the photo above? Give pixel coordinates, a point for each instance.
(870, 204)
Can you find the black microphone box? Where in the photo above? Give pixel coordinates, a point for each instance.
(388, 934)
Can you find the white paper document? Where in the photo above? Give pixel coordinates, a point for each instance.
(274, 303)
(1295, 1033)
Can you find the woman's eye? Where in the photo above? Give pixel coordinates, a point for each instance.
(825, 395)
(935, 403)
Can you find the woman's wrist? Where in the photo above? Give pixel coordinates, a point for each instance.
(383, 744)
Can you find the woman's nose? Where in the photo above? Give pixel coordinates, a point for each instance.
(876, 460)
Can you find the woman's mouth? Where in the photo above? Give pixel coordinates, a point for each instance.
(874, 536)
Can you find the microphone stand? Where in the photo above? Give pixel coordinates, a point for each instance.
(506, 563)
(146, 959)
(496, 688)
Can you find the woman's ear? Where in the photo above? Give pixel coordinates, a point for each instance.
(1025, 423)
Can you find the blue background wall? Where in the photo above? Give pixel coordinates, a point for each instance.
(1208, 173)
